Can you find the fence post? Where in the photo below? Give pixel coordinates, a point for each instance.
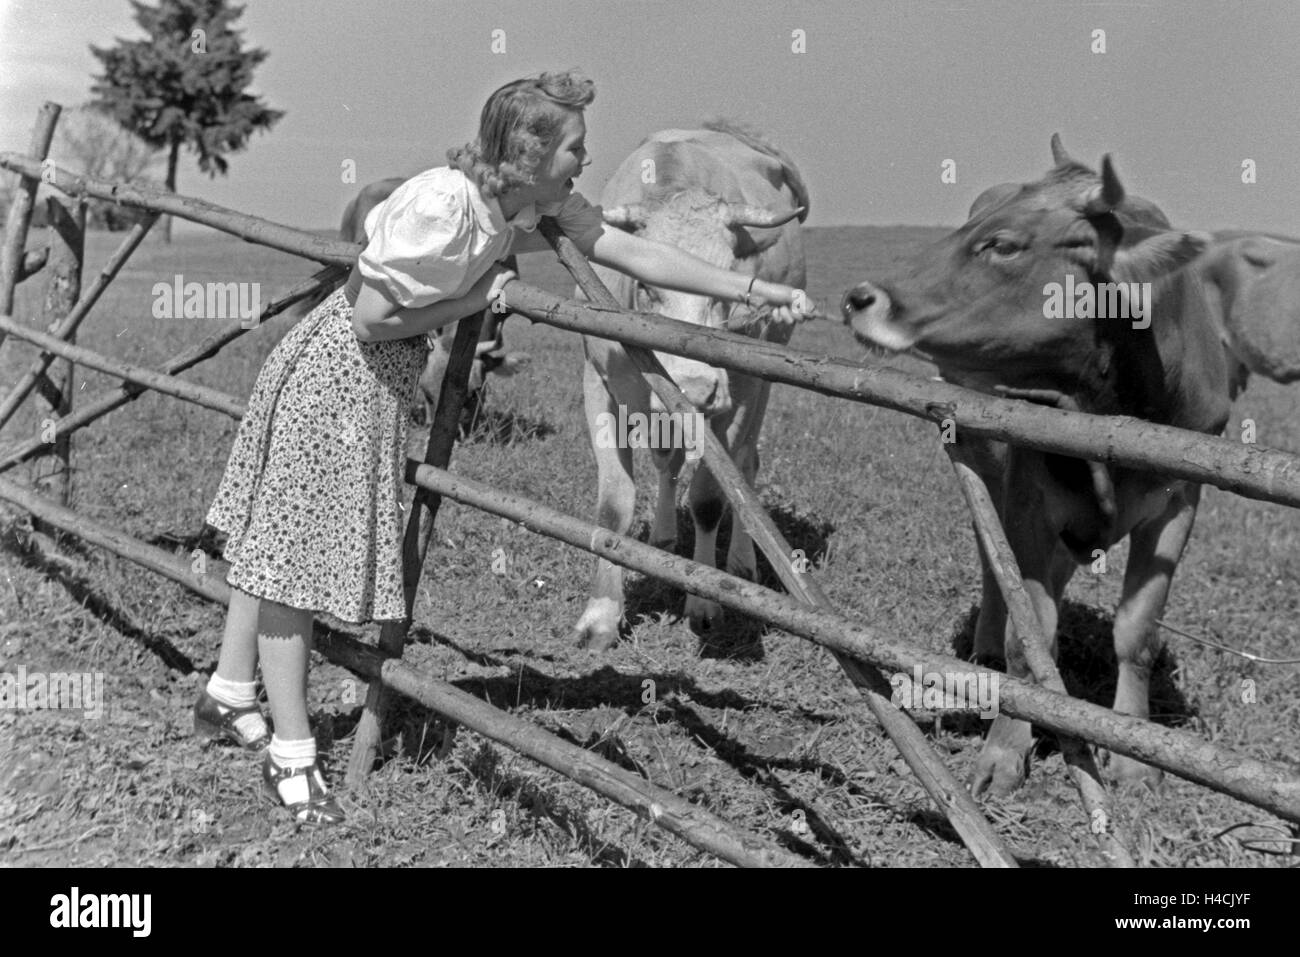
(62, 289)
(20, 213)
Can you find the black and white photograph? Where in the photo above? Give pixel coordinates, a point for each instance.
(644, 435)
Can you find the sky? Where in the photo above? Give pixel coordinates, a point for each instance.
(870, 98)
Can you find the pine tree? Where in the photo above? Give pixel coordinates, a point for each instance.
(184, 84)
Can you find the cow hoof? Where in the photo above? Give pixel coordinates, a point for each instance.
(595, 638)
(1120, 769)
(1004, 761)
(999, 770)
(704, 616)
(597, 629)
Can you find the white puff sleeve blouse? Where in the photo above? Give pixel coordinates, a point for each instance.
(436, 236)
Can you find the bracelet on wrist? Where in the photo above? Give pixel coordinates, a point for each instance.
(494, 291)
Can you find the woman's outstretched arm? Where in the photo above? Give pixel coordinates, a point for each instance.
(658, 264)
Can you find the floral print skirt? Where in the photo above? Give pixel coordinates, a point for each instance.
(311, 499)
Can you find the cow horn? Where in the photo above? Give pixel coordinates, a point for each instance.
(1059, 156)
(1104, 198)
(632, 216)
(743, 214)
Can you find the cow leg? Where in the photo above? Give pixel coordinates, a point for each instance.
(1063, 568)
(1155, 548)
(663, 534)
(707, 504)
(597, 628)
(1002, 762)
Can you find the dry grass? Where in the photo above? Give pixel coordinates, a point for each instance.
(758, 726)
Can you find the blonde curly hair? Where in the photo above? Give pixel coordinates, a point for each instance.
(516, 128)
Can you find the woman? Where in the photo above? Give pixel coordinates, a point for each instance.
(310, 497)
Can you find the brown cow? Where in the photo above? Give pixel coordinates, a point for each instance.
(980, 306)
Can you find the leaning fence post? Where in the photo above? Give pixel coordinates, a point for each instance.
(20, 213)
(415, 543)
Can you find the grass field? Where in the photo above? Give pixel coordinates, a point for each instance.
(759, 726)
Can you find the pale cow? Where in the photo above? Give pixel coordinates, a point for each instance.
(726, 195)
(1257, 281)
(975, 305)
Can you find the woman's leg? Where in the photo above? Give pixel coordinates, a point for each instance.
(238, 661)
(284, 644)
(228, 706)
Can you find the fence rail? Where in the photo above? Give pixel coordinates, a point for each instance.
(1258, 473)
(254, 229)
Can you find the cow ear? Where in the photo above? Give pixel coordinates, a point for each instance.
(993, 196)
(750, 242)
(1157, 255)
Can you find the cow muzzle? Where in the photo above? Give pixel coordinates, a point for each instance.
(869, 311)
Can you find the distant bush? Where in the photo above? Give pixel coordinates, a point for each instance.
(90, 142)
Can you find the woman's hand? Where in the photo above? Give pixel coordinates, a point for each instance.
(788, 305)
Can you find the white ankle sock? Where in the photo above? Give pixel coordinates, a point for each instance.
(233, 694)
(239, 694)
(293, 754)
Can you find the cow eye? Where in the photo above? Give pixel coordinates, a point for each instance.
(1001, 247)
